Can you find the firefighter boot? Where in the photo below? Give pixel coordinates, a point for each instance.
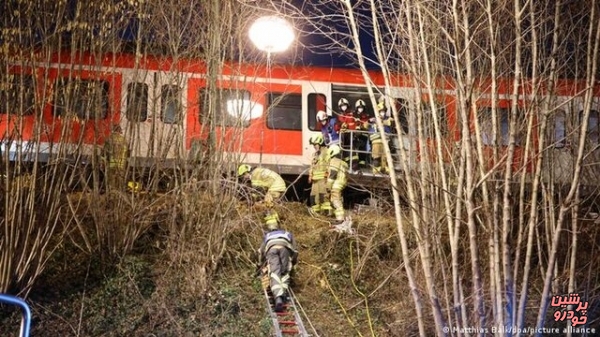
(278, 304)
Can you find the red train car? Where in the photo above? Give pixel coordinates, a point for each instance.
(66, 105)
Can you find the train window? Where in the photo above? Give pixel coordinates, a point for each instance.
(17, 94)
(560, 130)
(401, 106)
(285, 111)
(503, 123)
(137, 102)
(84, 99)
(316, 102)
(428, 124)
(234, 107)
(170, 107)
(593, 129)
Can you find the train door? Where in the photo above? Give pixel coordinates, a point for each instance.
(317, 96)
(136, 113)
(559, 166)
(566, 126)
(169, 99)
(354, 139)
(590, 167)
(405, 101)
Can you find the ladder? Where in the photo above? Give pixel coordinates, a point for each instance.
(288, 322)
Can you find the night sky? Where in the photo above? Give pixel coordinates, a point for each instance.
(314, 48)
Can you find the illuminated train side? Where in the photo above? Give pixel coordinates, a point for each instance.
(67, 106)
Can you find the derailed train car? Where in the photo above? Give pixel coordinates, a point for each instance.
(177, 113)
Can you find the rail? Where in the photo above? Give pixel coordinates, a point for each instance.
(26, 313)
(356, 150)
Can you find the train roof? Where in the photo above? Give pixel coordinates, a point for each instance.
(529, 87)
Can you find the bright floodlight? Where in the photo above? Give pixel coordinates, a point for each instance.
(271, 34)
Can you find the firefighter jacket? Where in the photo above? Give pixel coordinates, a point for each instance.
(331, 131)
(349, 122)
(265, 179)
(338, 173)
(319, 165)
(278, 238)
(116, 151)
(374, 135)
(353, 120)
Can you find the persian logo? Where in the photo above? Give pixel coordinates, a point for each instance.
(570, 307)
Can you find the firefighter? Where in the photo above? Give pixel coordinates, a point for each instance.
(336, 181)
(362, 137)
(343, 105)
(266, 182)
(343, 112)
(348, 136)
(379, 159)
(115, 154)
(278, 254)
(330, 128)
(317, 176)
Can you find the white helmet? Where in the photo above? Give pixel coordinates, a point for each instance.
(343, 101)
(321, 116)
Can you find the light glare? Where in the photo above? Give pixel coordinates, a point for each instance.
(271, 34)
(244, 109)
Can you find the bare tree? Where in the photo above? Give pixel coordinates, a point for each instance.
(500, 67)
(60, 64)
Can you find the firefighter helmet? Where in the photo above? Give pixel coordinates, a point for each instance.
(381, 106)
(343, 101)
(321, 116)
(316, 140)
(243, 169)
(359, 104)
(334, 150)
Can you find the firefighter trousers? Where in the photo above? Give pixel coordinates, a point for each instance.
(279, 261)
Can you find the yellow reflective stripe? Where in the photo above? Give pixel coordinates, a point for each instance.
(325, 206)
(319, 165)
(318, 175)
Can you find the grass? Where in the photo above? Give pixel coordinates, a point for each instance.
(345, 285)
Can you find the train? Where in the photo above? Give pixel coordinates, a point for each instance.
(64, 104)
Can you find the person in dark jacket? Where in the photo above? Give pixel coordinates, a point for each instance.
(279, 252)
